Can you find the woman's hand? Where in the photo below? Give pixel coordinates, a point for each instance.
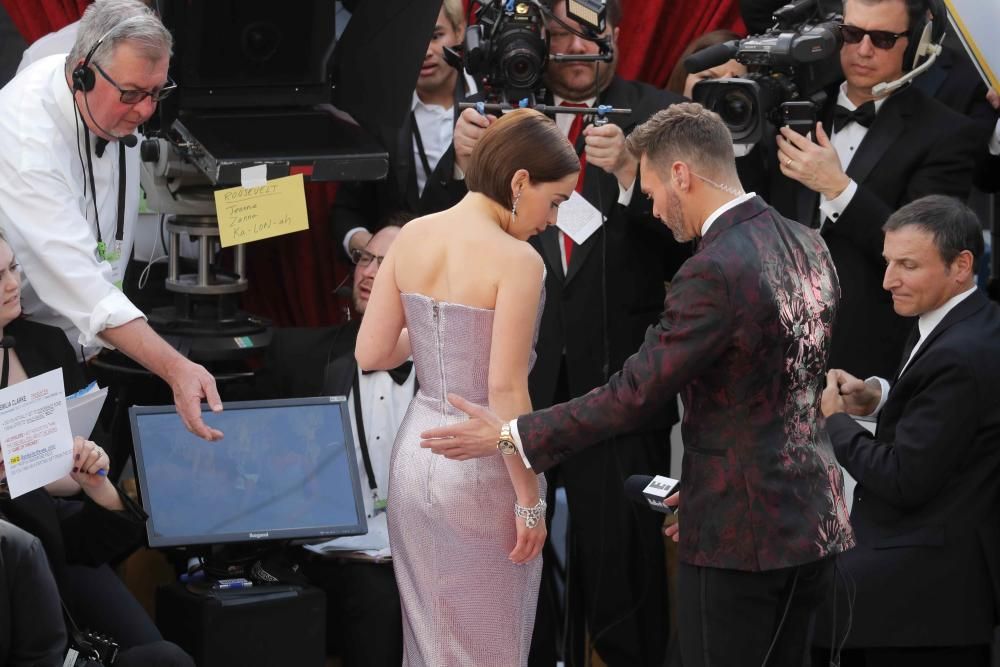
(529, 540)
(90, 471)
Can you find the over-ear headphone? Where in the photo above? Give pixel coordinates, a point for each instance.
(924, 30)
(83, 76)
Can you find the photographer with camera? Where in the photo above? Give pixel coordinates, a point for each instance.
(420, 152)
(69, 205)
(872, 153)
(601, 295)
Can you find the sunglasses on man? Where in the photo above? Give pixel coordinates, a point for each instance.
(881, 39)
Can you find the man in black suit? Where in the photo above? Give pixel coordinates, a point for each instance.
(870, 156)
(420, 152)
(924, 514)
(364, 621)
(601, 294)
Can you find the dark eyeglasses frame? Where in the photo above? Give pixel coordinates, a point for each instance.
(135, 96)
(881, 39)
(363, 258)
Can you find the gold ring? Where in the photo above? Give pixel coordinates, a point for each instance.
(788, 162)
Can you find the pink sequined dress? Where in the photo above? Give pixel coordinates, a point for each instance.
(451, 523)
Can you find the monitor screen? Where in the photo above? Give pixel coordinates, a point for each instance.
(285, 469)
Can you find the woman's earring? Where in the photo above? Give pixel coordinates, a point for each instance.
(513, 209)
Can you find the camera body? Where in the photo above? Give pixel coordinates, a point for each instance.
(793, 63)
(506, 49)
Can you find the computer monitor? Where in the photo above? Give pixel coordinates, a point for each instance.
(285, 469)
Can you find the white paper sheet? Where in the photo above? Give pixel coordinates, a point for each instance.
(578, 218)
(84, 411)
(35, 437)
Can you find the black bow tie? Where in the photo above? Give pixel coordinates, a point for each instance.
(99, 146)
(864, 116)
(399, 373)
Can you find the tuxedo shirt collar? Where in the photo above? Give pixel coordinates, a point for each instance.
(732, 203)
(929, 320)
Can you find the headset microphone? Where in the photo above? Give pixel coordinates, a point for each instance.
(926, 38)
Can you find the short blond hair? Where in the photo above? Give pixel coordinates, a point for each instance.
(455, 11)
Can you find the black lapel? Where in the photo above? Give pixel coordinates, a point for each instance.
(549, 243)
(889, 124)
(406, 174)
(341, 366)
(968, 307)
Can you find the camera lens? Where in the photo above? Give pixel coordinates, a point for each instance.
(522, 66)
(736, 109)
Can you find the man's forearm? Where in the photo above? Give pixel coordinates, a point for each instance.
(138, 341)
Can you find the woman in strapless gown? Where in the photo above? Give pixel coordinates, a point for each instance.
(462, 291)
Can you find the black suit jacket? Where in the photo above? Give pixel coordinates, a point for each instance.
(31, 628)
(368, 204)
(925, 508)
(915, 147)
(633, 252)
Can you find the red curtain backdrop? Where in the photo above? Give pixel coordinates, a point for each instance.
(653, 33)
(34, 18)
(292, 278)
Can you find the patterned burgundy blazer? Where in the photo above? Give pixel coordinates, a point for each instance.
(744, 339)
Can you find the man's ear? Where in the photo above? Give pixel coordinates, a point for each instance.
(963, 266)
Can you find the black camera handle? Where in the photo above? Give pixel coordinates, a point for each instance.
(601, 112)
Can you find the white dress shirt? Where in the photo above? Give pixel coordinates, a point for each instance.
(384, 404)
(59, 42)
(846, 144)
(925, 325)
(48, 219)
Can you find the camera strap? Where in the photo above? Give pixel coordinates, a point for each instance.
(415, 130)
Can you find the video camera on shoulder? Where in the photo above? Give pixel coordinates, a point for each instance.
(789, 68)
(507, 47)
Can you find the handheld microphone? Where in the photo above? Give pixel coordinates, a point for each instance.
(7, 342)
(710, 57)
(650, 490)
(129, 140)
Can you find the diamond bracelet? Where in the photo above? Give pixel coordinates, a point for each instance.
(531, 515)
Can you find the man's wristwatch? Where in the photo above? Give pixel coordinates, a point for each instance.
(506, 442)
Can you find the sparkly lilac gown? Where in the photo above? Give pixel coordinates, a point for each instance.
(451, 523)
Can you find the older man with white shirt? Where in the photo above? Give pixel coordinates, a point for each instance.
(69, 164)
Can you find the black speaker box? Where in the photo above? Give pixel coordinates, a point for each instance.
(260, 627)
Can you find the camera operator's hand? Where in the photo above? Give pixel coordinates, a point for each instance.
(814, 165)
(90, 471)
(606, 149)
(470, 127)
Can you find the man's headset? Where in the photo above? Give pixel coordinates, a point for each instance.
(928, 24)
(924, 31)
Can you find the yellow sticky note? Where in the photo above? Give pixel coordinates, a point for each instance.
(250, 214)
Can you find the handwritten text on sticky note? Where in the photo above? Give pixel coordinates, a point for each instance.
(250, 214)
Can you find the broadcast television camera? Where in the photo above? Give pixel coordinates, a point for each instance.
(507, 47)
(789, 67)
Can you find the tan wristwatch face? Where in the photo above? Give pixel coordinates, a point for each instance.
(506, 443)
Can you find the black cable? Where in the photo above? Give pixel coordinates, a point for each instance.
(784, 616)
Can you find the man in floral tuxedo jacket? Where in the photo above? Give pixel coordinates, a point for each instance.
(744, 338)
